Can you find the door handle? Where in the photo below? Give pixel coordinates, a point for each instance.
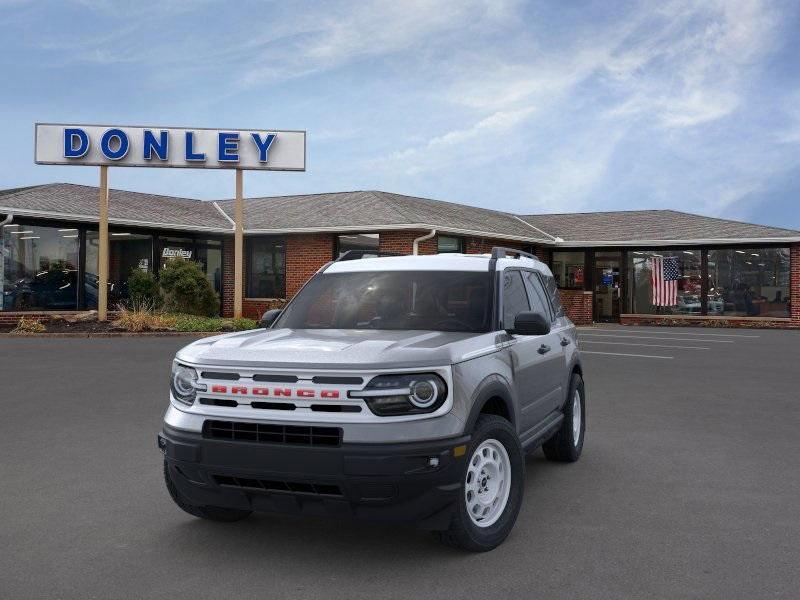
(565, 341)
(543, 349)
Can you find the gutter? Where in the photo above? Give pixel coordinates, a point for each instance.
(224, 214)
(684, 242)
(427, 236)
(7, 220)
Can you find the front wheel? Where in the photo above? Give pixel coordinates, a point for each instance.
(491, 489)
(566, 445)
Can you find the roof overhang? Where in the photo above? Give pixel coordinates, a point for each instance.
(684, 242)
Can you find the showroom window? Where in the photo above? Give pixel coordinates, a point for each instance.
(209, 255)
(569, 269)
(665, 282)
(128, 252)
(358, 241)
(748, 282)
(266, 267)
(448, 244)
(39, 267)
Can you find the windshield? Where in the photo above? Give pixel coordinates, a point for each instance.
(429, 300)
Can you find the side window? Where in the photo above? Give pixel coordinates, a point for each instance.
(515, 299)
(537, 295)
(552, 292)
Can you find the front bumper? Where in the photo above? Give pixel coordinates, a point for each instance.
(409, 482)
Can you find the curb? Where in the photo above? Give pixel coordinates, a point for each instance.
(106, 334)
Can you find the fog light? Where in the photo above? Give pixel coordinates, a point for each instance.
(433, 461)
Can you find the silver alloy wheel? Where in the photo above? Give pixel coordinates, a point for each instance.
(576, 417)
(488, 483)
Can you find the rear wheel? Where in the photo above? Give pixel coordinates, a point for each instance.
(212, 513)
(491, 489)
(566, 445)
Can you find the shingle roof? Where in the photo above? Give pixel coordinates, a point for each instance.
(72, 201)
(650, 225)
(373, 210)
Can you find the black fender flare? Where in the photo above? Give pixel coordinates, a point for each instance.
(494, 386)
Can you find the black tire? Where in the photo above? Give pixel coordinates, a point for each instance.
(212, 513)
(463, 533)
(563, 447)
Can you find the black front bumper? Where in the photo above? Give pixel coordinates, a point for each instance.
(409, 482)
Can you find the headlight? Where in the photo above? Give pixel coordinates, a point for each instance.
(184, 383)
(405, 394)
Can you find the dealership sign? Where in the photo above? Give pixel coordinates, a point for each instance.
(193, 148)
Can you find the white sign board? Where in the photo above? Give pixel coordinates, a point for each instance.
(189, 148)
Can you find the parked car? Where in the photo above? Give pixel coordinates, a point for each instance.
(404, 389)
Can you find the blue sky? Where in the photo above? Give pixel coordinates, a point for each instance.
(521, 106)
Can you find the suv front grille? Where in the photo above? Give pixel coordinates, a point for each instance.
(291, 487)
(273, 433)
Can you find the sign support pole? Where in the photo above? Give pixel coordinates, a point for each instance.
(238, 255)
(102, 256)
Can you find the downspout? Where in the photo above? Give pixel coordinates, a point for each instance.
(7, 220)
(427, 236)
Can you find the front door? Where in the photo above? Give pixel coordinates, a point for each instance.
(607, 286)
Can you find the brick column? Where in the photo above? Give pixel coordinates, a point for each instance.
(794, 284)
(226, 301)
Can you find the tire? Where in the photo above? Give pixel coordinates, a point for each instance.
(495, 435)
(212, 513)
(563, 446)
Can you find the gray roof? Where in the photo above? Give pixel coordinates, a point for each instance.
(374, 210)
(629, 227)
(364, 211)
(80, 202)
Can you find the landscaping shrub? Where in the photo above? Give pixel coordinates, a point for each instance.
(26, 325)
(186, 290)
(143, 289)
(142, 317)
(243, 324)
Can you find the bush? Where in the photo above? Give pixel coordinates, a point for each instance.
(243, 324)
(143, 289)
(26, 325)
(186, 290)
(141, 317)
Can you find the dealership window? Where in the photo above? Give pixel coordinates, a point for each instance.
(209, 255)
(665, 282)
(266, 267)
(448, 244)
(39, 268)
(748, 282)
(128, 252)
(369, 242)
(569, 269)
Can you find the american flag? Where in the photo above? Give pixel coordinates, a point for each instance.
(664, 277)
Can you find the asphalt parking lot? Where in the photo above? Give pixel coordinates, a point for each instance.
(689, 487)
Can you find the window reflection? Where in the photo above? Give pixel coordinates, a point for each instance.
(666, 282)
(568, 269)
(747, 282)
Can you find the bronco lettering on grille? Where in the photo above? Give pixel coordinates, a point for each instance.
(240, 390)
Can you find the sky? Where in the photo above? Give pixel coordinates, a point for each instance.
(529, 107)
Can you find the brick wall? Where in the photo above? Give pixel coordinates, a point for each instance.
(578, 305)
(227, 277)
(305, 254)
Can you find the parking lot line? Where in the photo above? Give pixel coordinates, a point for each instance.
(624, 354)
(633, 331)
(648, 345)
(651, 337)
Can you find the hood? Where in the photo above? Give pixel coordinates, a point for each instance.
(333, 348)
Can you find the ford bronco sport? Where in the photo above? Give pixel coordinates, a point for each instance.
(398, 388)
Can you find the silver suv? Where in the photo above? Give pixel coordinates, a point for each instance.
(397, 388)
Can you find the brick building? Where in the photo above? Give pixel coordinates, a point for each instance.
(728, 272)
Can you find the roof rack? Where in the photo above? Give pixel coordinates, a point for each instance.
(501, 252)
(357, 254)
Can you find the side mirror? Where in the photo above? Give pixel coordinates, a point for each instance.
(269, 317)
(531, 323)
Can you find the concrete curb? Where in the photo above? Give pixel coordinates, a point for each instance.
(105, 334)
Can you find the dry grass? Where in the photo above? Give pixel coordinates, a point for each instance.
(26, 325)
(142, 317)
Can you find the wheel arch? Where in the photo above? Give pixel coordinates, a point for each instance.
(493, 397)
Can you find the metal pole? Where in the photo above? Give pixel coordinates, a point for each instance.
(102, 256)
(238, 255)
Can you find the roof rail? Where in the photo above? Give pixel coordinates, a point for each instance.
(357, 254)
(501, 252)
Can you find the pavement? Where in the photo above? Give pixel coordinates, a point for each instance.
(689, 487)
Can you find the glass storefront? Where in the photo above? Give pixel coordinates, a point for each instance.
(569, 269)
(665, 282)
(266, 267)
(128, 251)
(39, 267)
(749, 282)
(209, 255)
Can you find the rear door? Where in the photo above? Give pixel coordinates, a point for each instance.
(531, 355)
(555, 339)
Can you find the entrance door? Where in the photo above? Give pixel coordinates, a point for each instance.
(607, 286)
